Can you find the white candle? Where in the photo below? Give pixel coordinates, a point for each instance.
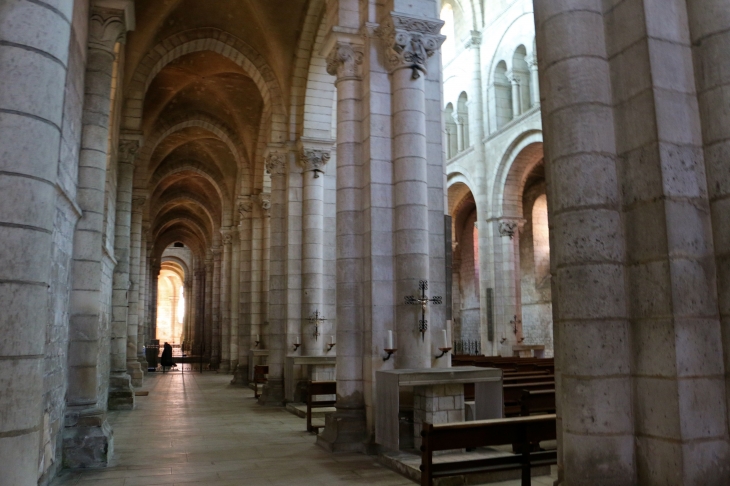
(297, 340)
(257, 338)
(446, 339)
(332, 340)
(390, 340)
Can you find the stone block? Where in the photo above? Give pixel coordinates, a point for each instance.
(598, 460)
(87, 446)
(598, 405)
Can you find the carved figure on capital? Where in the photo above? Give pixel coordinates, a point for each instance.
(264, 199)
(138, 202)
(509, 227)
(106, 28)
(245, 205)
(127, 151)
(345, 61)
(276, 163)
(227, 234)
(410, 41)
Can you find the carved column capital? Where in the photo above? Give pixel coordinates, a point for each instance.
(474, 40)
(532, 63)
(245, 206)
(345, 61)
(227, 234)
(410, 41)
(314, 154)
(276, 163)
(264, 200)
(138, 201)
(510, 227)
(513, 77)
(107, 26)
(127, 151)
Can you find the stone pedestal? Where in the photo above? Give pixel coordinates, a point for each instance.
(344, 431)
(134, 369)
(88, 440)
(273, 393)
(121, 393)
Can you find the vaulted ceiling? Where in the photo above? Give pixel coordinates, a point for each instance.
(194, 90)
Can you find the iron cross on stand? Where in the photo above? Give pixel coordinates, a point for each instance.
(316, 318)
(423, 301)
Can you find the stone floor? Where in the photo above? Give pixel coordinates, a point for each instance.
(196, 429)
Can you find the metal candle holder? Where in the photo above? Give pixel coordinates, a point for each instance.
(443, 352)
(390, 352)
(330, 346)
(296, 346)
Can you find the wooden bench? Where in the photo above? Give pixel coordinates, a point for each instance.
(520, 432)
(259, 378)
(537, 402)
(316, 388)
(513, 395)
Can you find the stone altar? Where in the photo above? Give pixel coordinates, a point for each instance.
(429, 388)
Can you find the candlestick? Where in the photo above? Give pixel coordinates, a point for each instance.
(446, 339)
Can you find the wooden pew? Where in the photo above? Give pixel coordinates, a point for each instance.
(519, 431)
(513, 394)
(259, 377)
(535, 402)
(315, 388)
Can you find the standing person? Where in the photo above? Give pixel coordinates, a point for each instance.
(166, 358)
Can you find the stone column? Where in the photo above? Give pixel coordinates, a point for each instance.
(534, 81)
(266, 257)
(235, 297)
(314, 156)
(460, 146)
(135, 279)
(123, 349)
(87, 439)
(245, 236)
(514, 80)
(408, 46)
(144, 295)
(215, 351)
(587, 244)
(34, 42)
(225, 300)
(199, 289)
(507, 304)
(154, 284)
(273, 392)
(208, 327)
(709, 29)
(346, 429)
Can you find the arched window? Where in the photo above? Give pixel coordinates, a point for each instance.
(521, 71)
(502, 95)
(448, 49)
(540, 239)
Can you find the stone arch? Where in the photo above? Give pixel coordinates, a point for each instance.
(306, 51)
(200, 120)
(187, 197)
(214, 40)
(522, 155)
(192, 240)
(215, 178)
(193, 223)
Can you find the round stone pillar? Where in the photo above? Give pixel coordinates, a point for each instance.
(514, 80)
(33, 61)
(273, 392)
(313, 161)
(208, 306)
(225, 300)
(408, 46)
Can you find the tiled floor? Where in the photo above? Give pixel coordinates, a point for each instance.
(195, 430)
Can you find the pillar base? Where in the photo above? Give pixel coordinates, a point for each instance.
(272, 394)
(240, 375)
(121, 393)
(134, 368)
(234, 364)
(344, 431)
(225, 366)
(88, 440)
(143, 364)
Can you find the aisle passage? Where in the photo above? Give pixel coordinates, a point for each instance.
(198, 430)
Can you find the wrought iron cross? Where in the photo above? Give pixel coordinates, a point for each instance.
(423, 302)
(316, 318)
